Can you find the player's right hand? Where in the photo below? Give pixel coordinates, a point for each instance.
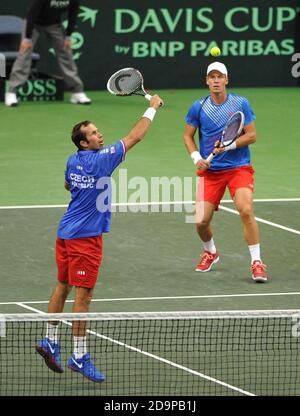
(156, 102)
(219, 147)
(203, 164)
(25, 44)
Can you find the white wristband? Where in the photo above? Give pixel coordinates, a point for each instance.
(232, 146)
(150, 113)
(196, 157)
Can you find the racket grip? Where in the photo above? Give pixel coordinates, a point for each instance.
(148, 97)
(210, 157)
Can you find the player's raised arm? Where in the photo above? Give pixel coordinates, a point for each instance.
(137, 133)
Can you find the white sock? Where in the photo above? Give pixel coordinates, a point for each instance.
(80, 347)
(254, 252)
(210, 246)
(52, 332)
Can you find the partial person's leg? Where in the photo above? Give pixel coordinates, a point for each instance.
(58, 297)
(67, 64)
(80, 361)
(56, 305)
(49, 347)
(203, 220)
(86, 257)
(83, 297)
(243, 199)
(22, 65)
(210, 191)
(204, 230)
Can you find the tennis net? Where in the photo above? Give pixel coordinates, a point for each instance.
(158, 354)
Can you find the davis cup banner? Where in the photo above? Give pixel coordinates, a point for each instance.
(170, 40)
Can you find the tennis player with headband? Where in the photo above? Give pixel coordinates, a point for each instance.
(79, 236)
(231, 167)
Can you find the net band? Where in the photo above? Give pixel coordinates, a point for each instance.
(106, 316)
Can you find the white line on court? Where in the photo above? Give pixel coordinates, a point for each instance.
(271, 200)
(28, 307)
(273, 224)
(156, 357)
(123, 204)
(236, 295)
(32, 206)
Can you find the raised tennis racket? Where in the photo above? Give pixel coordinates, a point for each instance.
(231, 131)
(127, 81)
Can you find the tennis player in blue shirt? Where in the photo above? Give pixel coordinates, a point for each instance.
(79, 236)
(231, 167)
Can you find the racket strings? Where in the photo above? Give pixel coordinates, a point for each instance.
(126, 82)
(232, 129)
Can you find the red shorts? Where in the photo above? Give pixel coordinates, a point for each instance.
(215, 183)
(78, 260)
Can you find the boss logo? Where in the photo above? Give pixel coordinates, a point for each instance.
(38, 88)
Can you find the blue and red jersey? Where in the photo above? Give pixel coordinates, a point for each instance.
(88, 174)
(210, 119)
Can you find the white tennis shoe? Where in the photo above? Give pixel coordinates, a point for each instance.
(80, 98)
(11, 99)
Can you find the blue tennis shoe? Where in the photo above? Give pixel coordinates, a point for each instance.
(50, 352)
(86, 367)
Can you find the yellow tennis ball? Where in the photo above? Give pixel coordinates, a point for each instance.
(215, 51)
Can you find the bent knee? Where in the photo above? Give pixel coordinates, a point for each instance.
(246, 212)
(202, 223)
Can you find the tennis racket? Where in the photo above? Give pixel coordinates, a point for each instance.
(231, 131)
(127, 81)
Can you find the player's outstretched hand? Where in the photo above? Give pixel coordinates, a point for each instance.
(156, 101)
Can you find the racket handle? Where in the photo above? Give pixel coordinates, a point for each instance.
(210, 157)
(148, 97)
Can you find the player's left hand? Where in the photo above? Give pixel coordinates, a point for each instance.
(203, 165)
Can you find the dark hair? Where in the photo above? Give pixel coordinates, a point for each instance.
(77, 134)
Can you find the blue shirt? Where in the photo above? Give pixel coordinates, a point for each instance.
(210, 119)
(89, 175)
